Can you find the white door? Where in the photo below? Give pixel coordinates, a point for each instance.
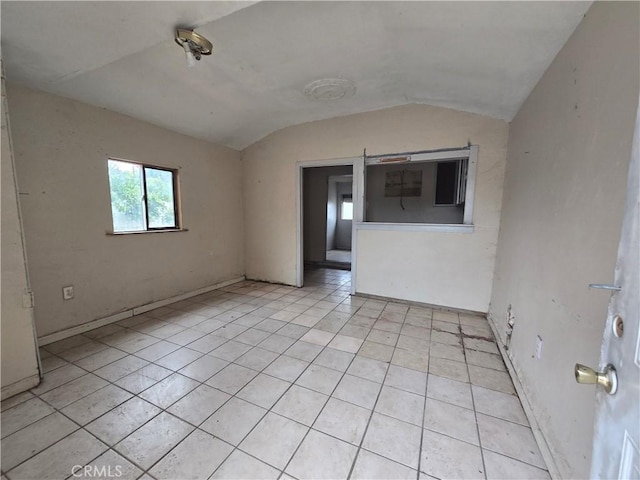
(616, 441)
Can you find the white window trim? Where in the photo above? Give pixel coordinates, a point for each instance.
(358, 203)
(466, 226)
(427, 156)
(176, 199)
(470, 193)
(342, 202)
(416, 227)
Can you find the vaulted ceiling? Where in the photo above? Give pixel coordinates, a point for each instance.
(480, 57)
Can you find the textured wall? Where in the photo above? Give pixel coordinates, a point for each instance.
(19, 360)
(569, 150)
(450, 269)
(61, 149)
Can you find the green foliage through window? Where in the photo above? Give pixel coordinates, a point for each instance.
(134, 211)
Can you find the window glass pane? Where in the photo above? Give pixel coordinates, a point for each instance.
(160, 200)
(412, 193)
(347, 210)
(127, 202)
(446, 183)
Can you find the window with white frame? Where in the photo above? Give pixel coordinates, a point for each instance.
(346, 207)
(420, 187)
(143, 197)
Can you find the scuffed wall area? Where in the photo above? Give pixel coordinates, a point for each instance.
(569, 151)
(449, 269)
(61, 150)
(19, 356)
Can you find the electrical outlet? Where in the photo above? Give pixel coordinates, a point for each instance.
(538, 347)
(67, 292)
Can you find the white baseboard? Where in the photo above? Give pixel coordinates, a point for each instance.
(19, 386)
(101, 322)
(538, 434)
(415, 303)
(85, 327)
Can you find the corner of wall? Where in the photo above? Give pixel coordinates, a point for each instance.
(567, 161)
(61, 148)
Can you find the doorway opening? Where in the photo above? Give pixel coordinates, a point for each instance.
(326, 217)
(339, 210)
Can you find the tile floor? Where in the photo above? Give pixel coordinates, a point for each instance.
(265, 381)
(341, 256)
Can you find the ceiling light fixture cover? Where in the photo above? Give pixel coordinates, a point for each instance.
(330, 89)
(194, 45)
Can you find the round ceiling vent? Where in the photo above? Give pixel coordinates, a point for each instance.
(330, 89)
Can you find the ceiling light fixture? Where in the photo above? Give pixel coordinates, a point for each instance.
(194, 45)
(330, 89)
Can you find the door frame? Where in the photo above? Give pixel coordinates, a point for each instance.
(357, 207)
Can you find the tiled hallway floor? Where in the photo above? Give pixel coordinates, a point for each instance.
(265, 381)
(342, 256)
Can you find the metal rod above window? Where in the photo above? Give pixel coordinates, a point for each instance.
(419, 156)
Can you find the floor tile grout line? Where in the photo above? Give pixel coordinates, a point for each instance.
(373, 409)
(472, 409)
(424, 406)
(162, 457)
(174, 371)
(80, 427)
(165, 410)
(449, 436)
(351, 314)
(233, 361)
(290, 386)
(519, 460)
(162, 410)
(270, 410)
(20, 402)
(238, 391)
(107, 364)
(185, 346)
(111, 447)
(475, 413)
(60, 410)
(197, 427)
(98, 456)
(236, 448)
(77, 399)
(479, 445)
(325, 404)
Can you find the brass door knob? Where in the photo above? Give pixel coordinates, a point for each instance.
(608, 379)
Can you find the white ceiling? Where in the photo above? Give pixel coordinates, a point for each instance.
(481, 57)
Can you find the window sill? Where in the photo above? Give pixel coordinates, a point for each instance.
(167, 230)
(416, 227)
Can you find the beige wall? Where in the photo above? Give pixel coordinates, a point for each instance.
(61, 150)
(459, 275)
(569, 150)
(19, 357)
